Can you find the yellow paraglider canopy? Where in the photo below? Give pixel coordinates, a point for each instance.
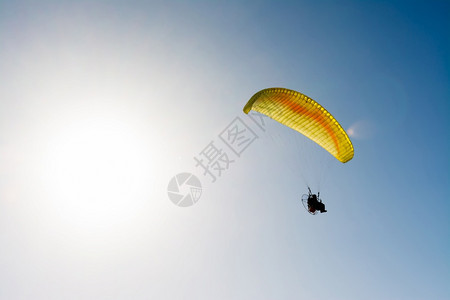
(304, 115)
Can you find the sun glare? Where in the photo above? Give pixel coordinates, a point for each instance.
(93, 169)
(363, 129)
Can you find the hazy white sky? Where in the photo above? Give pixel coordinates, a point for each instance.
(103, 102)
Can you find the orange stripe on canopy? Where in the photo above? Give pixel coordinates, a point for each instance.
(306, 116)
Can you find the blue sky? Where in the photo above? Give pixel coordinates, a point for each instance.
(103, 102)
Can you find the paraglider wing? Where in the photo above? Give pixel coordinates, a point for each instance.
(304, 115)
